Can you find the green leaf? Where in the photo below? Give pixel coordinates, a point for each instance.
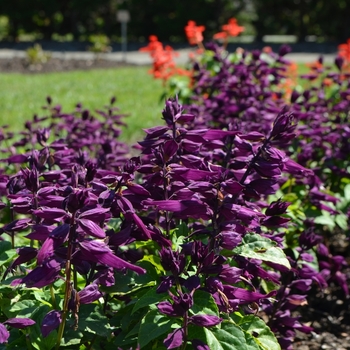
(92, 320)
(4, 246)
(24, 308)
(257, 247)
(149, 298)
(6, 252)
(155, 261)
(203, 302)
(342, 221)
(228, 337)
(326, 219)
(347, 192)
(152, 326)
(258, 329)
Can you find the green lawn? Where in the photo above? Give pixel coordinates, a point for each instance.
(138, 94)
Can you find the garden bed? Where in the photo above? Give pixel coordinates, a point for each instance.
(327, 313)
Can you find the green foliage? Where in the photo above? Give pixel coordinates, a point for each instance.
(37, 56)
(255, 246)
(100, 43)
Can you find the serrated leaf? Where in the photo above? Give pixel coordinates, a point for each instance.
(153, 325)
(203, 302)
(255, 246)
(258, 329)
(228, 337)
(149, 298)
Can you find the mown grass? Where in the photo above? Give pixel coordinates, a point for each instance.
(138, 94)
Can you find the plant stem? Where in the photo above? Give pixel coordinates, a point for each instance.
(68, 273)
(53, 298)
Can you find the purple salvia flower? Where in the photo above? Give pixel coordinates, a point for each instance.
(51, 321)
(172, 261)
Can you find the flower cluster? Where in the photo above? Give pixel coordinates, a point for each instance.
(191, 210)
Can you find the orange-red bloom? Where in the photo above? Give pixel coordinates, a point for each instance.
(194, 33)
(344, 50)
(230, 29)
(163, 60)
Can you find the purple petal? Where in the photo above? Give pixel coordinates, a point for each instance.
(232, 187)
(89, 294)
(96, 214)
(205, 320)
(174, 339)
(19, 322)
(4, 334)
(90, 228)
(18, 158)
(50, 213)
(51, 321)
(44, 275)
(170, 148)
(199, 345)
(245, 295)
(46, 251)
(166, 308)
(99, 252)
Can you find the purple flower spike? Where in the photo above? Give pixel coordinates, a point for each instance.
(205, 320)
(174, 339)
(19, 322)
(4, 334)
(51, 321)
(199, 345)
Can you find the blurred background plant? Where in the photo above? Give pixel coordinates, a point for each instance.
(99, 43)
(36, 56)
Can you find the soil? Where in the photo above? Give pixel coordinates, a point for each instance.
(21, 65)
(328, 312)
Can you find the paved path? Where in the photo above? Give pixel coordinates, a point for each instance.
(141, 58)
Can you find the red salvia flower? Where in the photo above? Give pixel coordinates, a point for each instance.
(230, 29)
(194, 33)
(344, 50)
